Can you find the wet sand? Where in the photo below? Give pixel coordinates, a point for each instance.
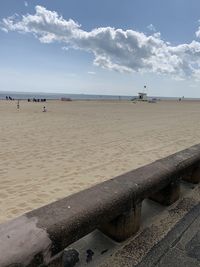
(74, 145)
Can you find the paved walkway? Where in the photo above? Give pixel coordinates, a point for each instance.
(169, 236)
(181, 246)
(172, 240)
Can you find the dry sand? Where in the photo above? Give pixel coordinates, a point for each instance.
(74, 145)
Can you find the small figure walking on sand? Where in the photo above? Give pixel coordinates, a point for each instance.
(44, 109)
(17, 104)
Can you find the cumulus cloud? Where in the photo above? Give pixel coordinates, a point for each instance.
(114, 49)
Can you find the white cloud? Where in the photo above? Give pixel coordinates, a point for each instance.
(114, 49)
(91, 72)
(151, 27)
(65, 48)
(26, 3)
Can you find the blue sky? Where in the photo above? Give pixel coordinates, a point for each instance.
(154, 43)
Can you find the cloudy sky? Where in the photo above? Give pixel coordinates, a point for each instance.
(101, 47)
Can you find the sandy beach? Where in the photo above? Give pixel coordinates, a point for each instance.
(74, 145)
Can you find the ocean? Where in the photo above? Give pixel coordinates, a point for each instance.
(58, 96)
(55, 96)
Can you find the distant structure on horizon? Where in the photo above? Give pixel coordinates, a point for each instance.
(142, 96)
(66, 99)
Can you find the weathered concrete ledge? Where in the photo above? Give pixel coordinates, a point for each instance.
(140, 250)
(35, 238)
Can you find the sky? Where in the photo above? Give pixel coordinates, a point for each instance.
(101, 47)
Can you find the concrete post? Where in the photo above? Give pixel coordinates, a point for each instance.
(168, 195)
(124, 225)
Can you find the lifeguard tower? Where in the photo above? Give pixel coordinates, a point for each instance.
(142, 96)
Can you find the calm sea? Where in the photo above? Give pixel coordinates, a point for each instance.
(20, 95)
(26, 95)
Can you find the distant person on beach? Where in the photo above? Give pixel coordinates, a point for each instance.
(18, 105)
(44, 109)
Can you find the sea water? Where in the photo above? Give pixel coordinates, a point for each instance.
(58, 96)
(27, 95)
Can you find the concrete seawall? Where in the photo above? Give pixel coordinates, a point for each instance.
(39, 237)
